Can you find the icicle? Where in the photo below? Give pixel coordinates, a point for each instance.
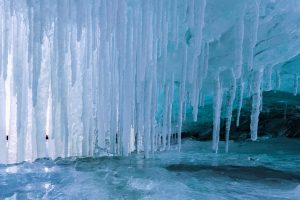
(268, 71)
(217, 106)
(165, 116)
(73, 57)
(206, 59)
(199, 24)
(261, 97)
(108, 77)
(153, 111)
(181, 110)
(199, 75)
(240, 101)
(170, 100)
(195, 92)
(20, 83)
(36, 48)
(182, 93)
(229, 108)
(296, 84)
(254, 31)
(148, 116)
(3, 128)
(256, 101)
(5, 39)
(239, 45)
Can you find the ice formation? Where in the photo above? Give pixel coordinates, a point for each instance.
(115, 76)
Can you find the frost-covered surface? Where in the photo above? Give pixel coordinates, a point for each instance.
(196, 173)
(114, 76)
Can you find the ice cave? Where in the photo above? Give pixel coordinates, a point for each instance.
(150, 99)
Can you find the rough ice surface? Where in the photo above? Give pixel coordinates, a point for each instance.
(195, 173)
(110, 77)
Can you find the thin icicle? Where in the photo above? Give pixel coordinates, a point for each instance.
(199, 14)
(240, 101)
(148, 116)
(261, 98)
(256, 102)
(239, 41)
(253, 32)
(217, 106)
(165, 116)
(229, 108)
(268, 72)
(170, 100)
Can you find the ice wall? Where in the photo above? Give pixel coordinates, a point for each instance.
(103, 76)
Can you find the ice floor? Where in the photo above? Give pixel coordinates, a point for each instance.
(266, 169)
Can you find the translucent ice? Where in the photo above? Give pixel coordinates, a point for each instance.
(117, 76)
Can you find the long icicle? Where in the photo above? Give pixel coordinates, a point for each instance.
(217, 106)
(229, 108)
(256, 102)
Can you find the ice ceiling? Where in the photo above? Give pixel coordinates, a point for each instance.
(114, 76)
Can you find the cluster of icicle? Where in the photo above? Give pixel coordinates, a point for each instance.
(102, 75)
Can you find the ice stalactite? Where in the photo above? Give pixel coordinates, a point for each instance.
(199, 14)
(20, 85)
(195, 92)
(268, 71)
(261, 98)
(165, 116)
(218, 98)
(148, 103)
(256, 102)
(253, 32)
(239, 41)
(3, 155)
(240, 100)
(112, 77)
(5, 21)
(153, 134)
(229, 107)
(205, 61)
(182, 98)
(199, 75)
(170, 100)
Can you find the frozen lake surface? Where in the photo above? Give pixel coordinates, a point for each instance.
(266, 169)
